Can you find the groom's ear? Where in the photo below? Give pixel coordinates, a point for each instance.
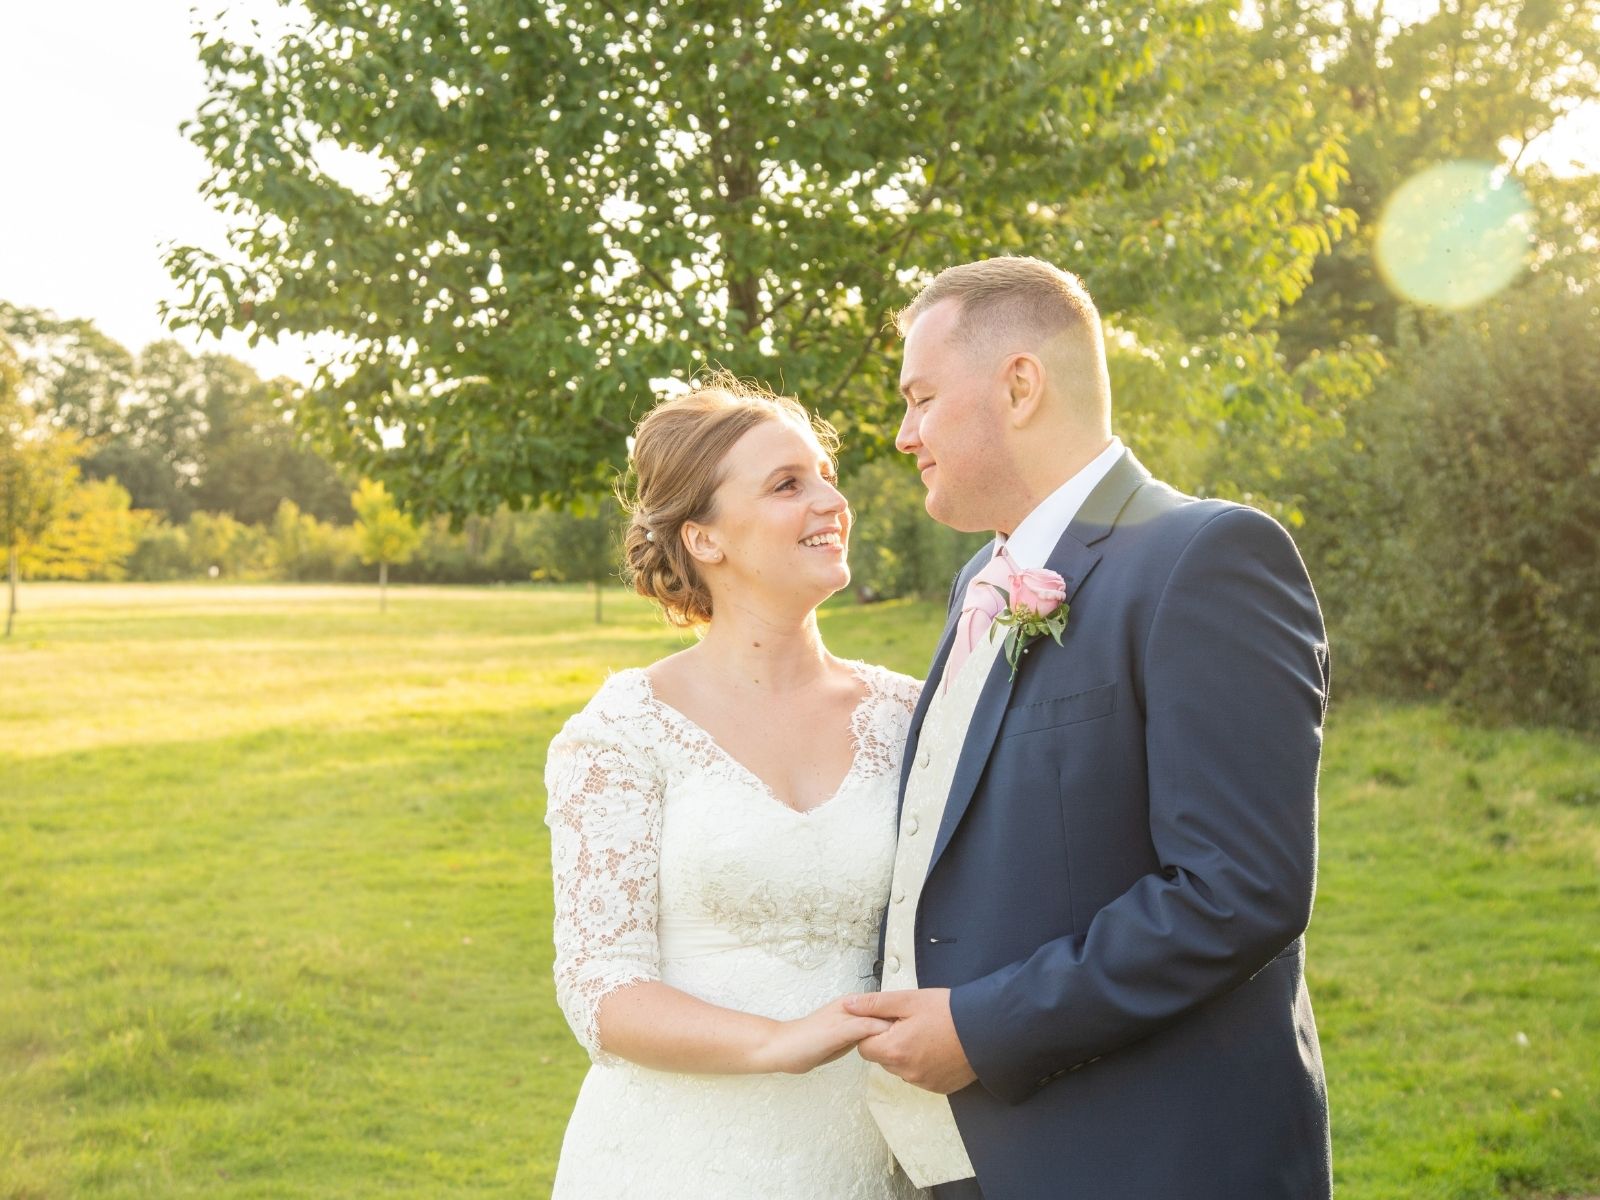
(1024, 379)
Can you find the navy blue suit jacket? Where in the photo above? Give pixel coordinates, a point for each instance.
(1126, 865)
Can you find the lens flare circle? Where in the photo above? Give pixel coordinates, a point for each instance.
(1454, 235)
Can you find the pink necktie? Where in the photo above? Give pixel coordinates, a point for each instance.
(985, 600)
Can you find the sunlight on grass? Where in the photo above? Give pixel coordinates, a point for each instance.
(275, 913)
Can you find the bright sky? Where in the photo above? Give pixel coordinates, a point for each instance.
(95, 176)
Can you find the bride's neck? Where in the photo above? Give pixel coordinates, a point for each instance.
(752, 650)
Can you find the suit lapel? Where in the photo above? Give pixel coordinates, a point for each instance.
(1073, 559)
(1100, 510)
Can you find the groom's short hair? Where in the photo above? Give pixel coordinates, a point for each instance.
(1012, 293)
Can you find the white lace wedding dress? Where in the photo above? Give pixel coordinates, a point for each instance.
(673, 862)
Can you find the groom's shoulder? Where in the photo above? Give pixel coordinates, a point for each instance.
(1168, 521)
(1158, 507)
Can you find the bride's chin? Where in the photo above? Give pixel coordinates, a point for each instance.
(838, 579)
(824, 589)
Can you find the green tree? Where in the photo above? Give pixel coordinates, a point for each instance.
(253, 456)
(1475, 79)
(38, 470)
(76, 375)
(579, 547)
(180, 431)
(571, 202)
(170, 417)
(387, 534)
(92, 535)
(289, 538)
(83, 381)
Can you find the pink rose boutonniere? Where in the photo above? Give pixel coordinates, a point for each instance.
(1038, 606)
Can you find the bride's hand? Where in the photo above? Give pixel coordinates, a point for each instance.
(797, 1046)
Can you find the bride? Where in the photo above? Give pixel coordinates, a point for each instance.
(722, 828)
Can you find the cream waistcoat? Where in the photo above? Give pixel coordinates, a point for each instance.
(918, 1125)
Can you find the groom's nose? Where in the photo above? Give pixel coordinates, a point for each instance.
(905, 438)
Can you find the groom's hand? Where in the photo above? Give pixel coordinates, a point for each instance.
(921, 1046)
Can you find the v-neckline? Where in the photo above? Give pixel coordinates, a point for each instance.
(858, 669)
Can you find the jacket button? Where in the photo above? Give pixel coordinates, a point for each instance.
(911, 825)
(923, 758)
(893, 964)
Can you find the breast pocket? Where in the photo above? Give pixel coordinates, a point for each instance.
(1055, 711)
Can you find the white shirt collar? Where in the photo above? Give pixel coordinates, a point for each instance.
(1037, 533)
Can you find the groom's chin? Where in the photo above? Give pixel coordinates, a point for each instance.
(950, 520)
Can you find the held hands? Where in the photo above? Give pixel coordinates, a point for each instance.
(831, 1032)
(921, 1046)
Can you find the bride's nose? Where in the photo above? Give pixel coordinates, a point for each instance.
(831, 499)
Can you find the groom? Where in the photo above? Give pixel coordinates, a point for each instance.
(1093, 952)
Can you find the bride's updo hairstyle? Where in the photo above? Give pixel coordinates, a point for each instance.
(675, 468)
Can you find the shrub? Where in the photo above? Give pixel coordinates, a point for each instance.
(304, 548)
(1467, 566)
(161, 555)
(235, 550)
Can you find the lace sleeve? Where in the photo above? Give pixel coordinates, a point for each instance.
(905, 690)
(605, 836)
(881, 725)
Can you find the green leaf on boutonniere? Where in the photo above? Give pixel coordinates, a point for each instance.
(1023, 626)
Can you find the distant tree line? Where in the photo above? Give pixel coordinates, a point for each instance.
(182, 433)
(164, 465)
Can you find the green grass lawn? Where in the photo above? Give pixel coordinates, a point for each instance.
(275, 911)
